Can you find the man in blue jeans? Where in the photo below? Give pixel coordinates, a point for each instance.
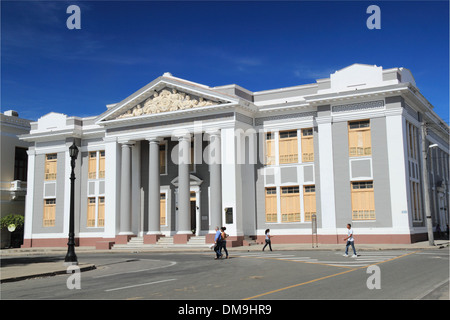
(217, 241)
(350, 241)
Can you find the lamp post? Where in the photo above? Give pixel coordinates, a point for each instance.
(71, 257)
(426, 184)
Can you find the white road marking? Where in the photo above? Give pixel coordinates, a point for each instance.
(139, 285)
(364, 259)
(172, 263)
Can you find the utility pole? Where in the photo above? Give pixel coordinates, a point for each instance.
(426, 185)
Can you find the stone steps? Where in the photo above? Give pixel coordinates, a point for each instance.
(163, 242)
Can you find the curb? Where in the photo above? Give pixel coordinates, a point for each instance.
(45, 274)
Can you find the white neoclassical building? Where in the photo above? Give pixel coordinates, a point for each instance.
(176, 158)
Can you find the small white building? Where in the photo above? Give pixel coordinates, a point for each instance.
(176, 158)
(13, 174)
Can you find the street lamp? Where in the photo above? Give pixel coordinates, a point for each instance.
(71, 257)
(426, 184)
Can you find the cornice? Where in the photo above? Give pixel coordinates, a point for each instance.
(345, 96)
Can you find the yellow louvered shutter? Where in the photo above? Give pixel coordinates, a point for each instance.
(271, 205)
(307, 145)
(288, 147)
(101, 212)
(92, 165)
(162, 208)
(50, 166)
(91, 212)
(363, 202)
(270, 149)
(49, 212)
(290, 204)
(101, 165)
(309, 201)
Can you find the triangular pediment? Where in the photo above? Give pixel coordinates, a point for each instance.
(167, 99)
(163, 95)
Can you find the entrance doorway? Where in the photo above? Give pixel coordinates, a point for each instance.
(193, 212)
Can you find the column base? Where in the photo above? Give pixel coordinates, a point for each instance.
(181, 238)
(152, 238)
(124, 238)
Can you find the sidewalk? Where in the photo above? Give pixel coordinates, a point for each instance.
(20, 264)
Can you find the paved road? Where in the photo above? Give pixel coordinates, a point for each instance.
(287, 275)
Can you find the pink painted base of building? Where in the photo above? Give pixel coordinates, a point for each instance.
(152, 238)
(232, 241)
(339, 239)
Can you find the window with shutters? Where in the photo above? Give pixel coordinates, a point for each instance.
(290, 204)
(270, 148)
(95, 166)
(309, 201)
(359, 140)
(363, 203)
(101, 164)
(414, 175)
(20, 164)
(191, 158)
(288, 147)
(413, 140)
(49, 212)
(271, 205)
(96, 212)
(50, 166)
(91, 212)
(162, 208)
(307, 145)
(415, 201)
(101, 212)
(162, 158)
(92, 165)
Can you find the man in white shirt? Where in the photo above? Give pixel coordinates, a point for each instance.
(350, 241)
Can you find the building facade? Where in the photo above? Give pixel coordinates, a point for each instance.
(176, 158)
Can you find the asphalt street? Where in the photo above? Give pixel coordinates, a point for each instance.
(250, 276)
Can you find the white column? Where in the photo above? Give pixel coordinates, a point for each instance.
(327, 202)
(153, 187)
(28, 229)
(125, 191)
(184, 219)
(215, 209)
(136, 225)
(112, 187)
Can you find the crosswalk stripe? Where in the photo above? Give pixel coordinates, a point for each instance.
(362, 260)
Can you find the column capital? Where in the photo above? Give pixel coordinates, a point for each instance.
(128, 143)
(154, 139)
(183, 137)
(214, 132)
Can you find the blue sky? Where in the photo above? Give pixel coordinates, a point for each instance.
(123, 45)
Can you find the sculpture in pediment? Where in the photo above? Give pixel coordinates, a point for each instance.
(165, 101)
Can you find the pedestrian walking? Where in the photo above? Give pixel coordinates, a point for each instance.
(268, 241)
(350, 241)
(223, 244)
(217, 243)
(438, 231)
